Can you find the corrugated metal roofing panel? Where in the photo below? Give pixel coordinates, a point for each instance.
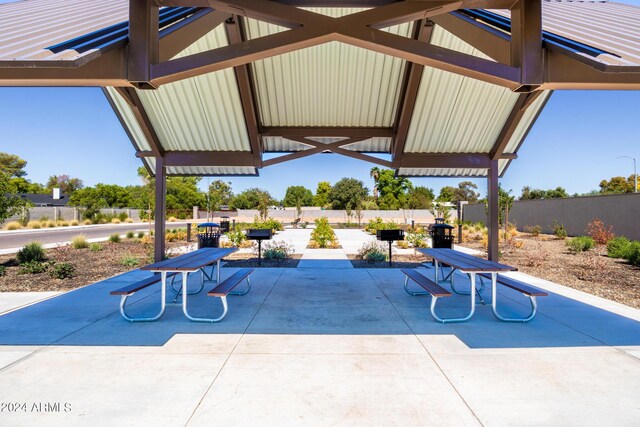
(610, 26)
(441, 172)
(202, 113)
(456, 114)
(333, 84)
(373, 145)
(526, 122)
(139, 140)
(204, 170)
(274, 144)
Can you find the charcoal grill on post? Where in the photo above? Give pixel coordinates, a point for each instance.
(390, 236)
(210, 237)
(259, 234)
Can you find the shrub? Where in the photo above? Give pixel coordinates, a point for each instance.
(79, 242)
(269, 223)
(373, 251)
(559, 230)
(304, 224)
(64, 270)
(140, 234)
(128, 220)
(44, 218)
(378, 224)
(13, 225)
(3, 270)
(74, 223)
(580, 244)
(277, 249)
(114, 238)
(402, 244)
(95, 247)
(534, 230)
(130, 235)
(115, 221)
(122, 216)
(634, 254)
(129, 261)
(31, 252)
(34, 267)
(34, 224)
(418, 240)
(51, 224)
(172, 219)
(323, 233)
(87, 222)
(146, 240)
(618, 247)
(599, 232)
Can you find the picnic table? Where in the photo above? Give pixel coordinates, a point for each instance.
(472, 266)
(191, 262)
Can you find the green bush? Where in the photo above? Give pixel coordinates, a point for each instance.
(634, 253)
(373, 251)
(534, 230)
(31, 252)
(64, 270)
(129, 261)
(3, 270)
(79, 242)
(95, 247)
(323, 234)
(140, 234)
(269, 223)
(130, 235)
(277, 249)
(559, 230)
(581, 243)
(618, 247)
(114, 238)
(34, 267)
(418, 240)
(236, 236)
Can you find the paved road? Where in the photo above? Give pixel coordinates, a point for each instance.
(19, 238)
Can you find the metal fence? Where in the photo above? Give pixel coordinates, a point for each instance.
(622, 211)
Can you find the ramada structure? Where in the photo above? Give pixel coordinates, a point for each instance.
(206, 87)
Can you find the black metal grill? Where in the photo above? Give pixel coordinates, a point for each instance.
(259, 234)
(390, 236)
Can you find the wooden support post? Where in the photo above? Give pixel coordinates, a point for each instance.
(492, 214)
(161, 202)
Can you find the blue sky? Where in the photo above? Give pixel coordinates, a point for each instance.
(73, 131)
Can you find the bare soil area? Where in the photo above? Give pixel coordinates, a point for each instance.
(549, 258)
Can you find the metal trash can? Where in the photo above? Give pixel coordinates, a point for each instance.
(209, 237)
(224, 224)
(441, 236)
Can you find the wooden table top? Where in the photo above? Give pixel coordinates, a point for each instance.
(192, 260)
(464, 262)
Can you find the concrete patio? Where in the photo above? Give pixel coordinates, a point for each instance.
(316, 346)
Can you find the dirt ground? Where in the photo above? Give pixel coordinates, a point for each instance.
(593, 272)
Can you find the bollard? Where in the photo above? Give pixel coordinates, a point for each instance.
(188, 232)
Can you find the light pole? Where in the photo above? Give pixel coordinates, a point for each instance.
(635, 173)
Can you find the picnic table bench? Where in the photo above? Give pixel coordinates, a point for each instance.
(188, 263)
(430, 287)
(485, 269)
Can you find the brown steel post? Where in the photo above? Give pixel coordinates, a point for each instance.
(492, 214)
(161, 202)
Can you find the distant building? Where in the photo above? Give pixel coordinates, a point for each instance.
(41, 200)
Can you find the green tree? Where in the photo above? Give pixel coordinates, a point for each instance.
(65, 183)
(252, 198)
(536, 194)
(617, 184)
(505, 202)
(321, 199)
(420, 198)
(10, 203)
(392, 190)
(219, 194)
(12, 165)
(115, 196)
(375, 174)
(347, 190)
(23, 185)
(88, 198)
(298, 195)
(183, 193)
(464, 191)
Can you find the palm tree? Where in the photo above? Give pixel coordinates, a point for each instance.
(375, 174)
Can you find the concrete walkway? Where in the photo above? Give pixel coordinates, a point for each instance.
(312, 346)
